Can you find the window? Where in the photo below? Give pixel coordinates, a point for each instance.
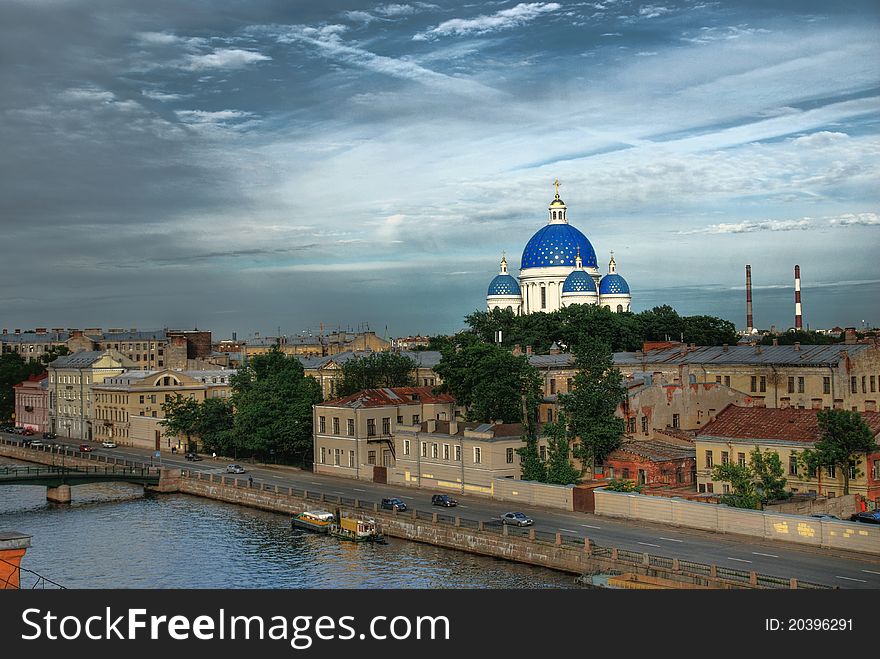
(725, 457)
(323, 455)
(832, 471)
(741, 459)
(631, 425)
(337, 457)
(424, 449)
(543, 297)
(873, 384)
(552, 386)
(717, 379)
(791, 384)
(852, 469)
(335, 425)
(371, 457)
(800, 385)
(153, 398)
(754, 383)
(725, 488)
(406, 447)
(446, 451)
(416, 419)
(679, 475)
(322, 424)
(645, 425)
(386, 425)
(625, 474)
(400, 419)
(726, 380)
(708, 459)
(458, 453)
(710, 487)
(351, 427)
(676, 421)
(478, 455)
(792, 465)
(542, 453)
(826, 385)
(510, 456)
(568, 385)
(351, 459)
(433, 450)
(371, 427)
(549, 415)
(876, 470)
(142, 400)
(854, 385)
(763, 383)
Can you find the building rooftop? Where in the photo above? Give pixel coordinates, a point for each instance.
(654, 450)
(423, 358)
(35, 337)
(80, 359)
(762, 423)
(389, 396)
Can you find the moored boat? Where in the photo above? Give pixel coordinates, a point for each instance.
(314, 520)
(357, 529)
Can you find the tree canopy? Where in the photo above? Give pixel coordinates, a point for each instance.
(14, 369)
(755, 483)
(844, 437)
(380, 369)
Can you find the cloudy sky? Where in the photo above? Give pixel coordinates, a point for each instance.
(244, 166)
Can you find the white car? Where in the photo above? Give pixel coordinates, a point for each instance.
(516, 518)
(108, 444)
(234, 469)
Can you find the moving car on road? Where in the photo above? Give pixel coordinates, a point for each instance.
(443, 500)
(393, 503)
(235, 469)
(85, 448)
(108, 444)
(195, 457)
(872, 517)
(516, 518)
(49, 435)
(33, 442)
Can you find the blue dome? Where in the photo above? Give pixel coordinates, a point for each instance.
(613, 284)
(579, 282)
(557, 245)
(504, 285)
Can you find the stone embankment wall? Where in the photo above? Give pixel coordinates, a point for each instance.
(852, 536)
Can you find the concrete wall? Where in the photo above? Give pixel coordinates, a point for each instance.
(534, 494)
(852, 536)
(842, 506)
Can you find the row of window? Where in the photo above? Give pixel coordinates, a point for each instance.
(438, 450)
(128, 347)
(371, 425)
(868, 382)
(69, 379)
(793, 465)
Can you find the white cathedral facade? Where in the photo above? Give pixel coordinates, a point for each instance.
(558, 268)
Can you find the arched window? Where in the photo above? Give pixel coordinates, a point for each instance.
(496, 308)
(619, 308)
(510, 308)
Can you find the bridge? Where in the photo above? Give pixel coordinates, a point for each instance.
(58, 480)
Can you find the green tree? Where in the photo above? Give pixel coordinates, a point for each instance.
(273, 407)
(593, 428)
(488, 381)
(53, 353)
(661, 324)
(380, 369)
(769, 475)
(181, 418)
(622, 485)
(708, 331)
(13, 369)
(559, 469)
(742, 484)
(803, 337)
(214, 426)
(844, 438)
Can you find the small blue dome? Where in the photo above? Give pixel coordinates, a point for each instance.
(613, 284)
(557, 245)
(579, 282)
(504, 285)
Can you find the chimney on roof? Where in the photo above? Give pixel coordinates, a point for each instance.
(554, 349)
(693, 347)
(725, 347)
(528, 351)
(18, 331)
(517, 350)
(453, 427)
(758, 349)
(5, 331)
(432, 425)
(775, 342)
(40, 330)
(849, 335)
(234, 336)
(798, 318)
(797, 346)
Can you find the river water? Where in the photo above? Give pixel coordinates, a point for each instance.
(110, 536)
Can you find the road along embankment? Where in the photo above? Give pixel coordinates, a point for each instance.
(576, 555)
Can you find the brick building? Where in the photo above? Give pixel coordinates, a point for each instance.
(32, 403)
(653, 463)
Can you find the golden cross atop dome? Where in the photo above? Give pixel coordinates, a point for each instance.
(556, 183)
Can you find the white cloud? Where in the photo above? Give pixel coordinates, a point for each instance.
(158, 38)
(364, 17)
(807, 223)
(859, 219)
(88, 94)
(226, 58)
(707, 35)
(156, 95)
(505, 19)
(820, 138)
(396, 10)
(652, 11)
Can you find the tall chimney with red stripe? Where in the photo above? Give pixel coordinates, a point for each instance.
(798, 318)
(749, 324)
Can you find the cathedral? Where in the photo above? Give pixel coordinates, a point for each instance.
(558, 268)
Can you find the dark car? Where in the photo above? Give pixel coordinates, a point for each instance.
(195, 457)
(85, 448)
(872, 517)
(49, 435)
(393, 504)
(443, 500)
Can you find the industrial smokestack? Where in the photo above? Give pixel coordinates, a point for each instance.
(798, 318)
(749, 324)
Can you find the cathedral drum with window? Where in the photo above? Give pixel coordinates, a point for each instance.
(558, 268)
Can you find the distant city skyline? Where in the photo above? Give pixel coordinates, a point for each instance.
(242, 167)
